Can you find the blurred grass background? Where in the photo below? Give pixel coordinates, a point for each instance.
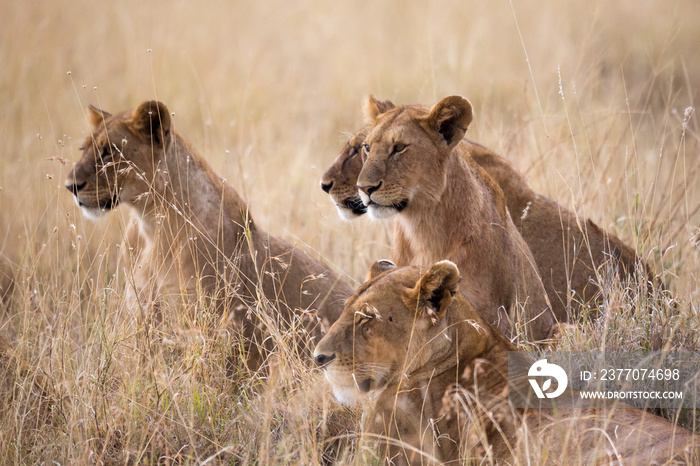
(593, 101)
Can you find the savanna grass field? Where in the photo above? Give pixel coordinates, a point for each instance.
(593, 101)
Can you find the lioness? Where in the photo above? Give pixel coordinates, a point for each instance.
(447, 207)
(190, 230)
(568, 249)
(441, 373)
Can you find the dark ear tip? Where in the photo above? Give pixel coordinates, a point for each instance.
(380, 266)
(449, 270)
(152, 118)
(457, 99)
(147, 110)
(160, 105)
(464, 104)
(154, 105)
(448, 265)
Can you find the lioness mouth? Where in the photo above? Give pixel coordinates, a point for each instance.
(364, 386)
(109, 204)
(401, 205)
(398, 206)
(355, 205)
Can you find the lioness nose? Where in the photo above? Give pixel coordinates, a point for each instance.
(323, 359)
(369, 189)
(74, 187)
(326, 187)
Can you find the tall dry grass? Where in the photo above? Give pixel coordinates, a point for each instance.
(592, 100)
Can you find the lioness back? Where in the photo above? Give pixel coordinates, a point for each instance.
(569, 250)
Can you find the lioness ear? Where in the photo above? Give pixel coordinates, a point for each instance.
(450, 118)
(436, 288)
(375, 107)
(97, 116)
(152, 119)
(379, 267)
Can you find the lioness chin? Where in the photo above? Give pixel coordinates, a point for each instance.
(441, 373)
(190, 232)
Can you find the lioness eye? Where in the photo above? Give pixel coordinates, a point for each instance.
(365, 148)
(398, 148)
(354, 151)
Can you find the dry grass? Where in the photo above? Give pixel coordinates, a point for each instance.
(600, 117)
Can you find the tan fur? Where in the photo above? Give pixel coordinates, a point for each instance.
(190, 231)
(568, 249)
(441, 373)
(449, 208)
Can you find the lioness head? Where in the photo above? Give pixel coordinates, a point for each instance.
(119, 157)
(405, 153)
(390, 327)
(340, 179)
